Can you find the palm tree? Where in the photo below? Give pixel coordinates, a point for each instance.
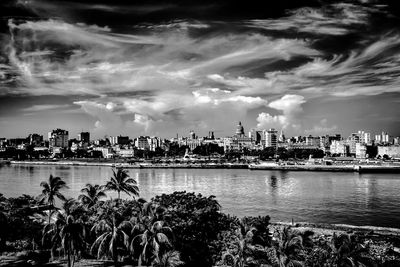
(153, 242)
(51, 190)
(72, 238)
(91, 194)
(113, 237)
(290, 248)
(169, 259)
(64, 230)
(120, 181)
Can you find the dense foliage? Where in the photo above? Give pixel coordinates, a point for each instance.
(178, 229)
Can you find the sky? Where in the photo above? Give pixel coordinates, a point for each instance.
(163, 68)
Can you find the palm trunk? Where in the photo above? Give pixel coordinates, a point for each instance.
(119, 198)
(69, 258)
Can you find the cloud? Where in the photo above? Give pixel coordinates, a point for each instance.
(336, 19)
(187, 73)
(289, 104)
(322, 128)
(36, 108)
(291, 108)
(217, 96)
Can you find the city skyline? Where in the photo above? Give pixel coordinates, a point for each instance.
(193, 134)
(315, 67)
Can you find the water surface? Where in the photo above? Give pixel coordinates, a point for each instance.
(320, 197)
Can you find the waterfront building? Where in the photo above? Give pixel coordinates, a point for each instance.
(58, 138)
(148, 143)
(107, 152)
(239, 129)
(192, 135)
(126, 153)
(15, 142)
(35, 139)
(282, 137)
(365, 137)
(119, 140)
(340, 148)
(271, 138)
(256, 136)
(3, 142)
(396, 141)
(74, 146)
(324, 143)
(352, 140)
(312, 141)
(84, 137)
(240, 141)
(361, 151)
(100, 142)
(385, 138)
(228, 142)
(378, 138)
(390, 151)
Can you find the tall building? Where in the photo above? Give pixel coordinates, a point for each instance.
(147, 143)
(256, 136)
(192, 135)
(119, 140)
(352, 140)
(378, 138)
(385, 137)
(84, 137)
(35, 139)
(282, 137)
(240, 129)
(271, 138)
(58, 138)
(339, 148)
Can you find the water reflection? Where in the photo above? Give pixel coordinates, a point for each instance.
(304, 196)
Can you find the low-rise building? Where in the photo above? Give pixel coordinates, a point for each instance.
(339, 148)
(361, 151)
(390, 151)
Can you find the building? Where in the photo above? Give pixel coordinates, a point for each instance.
(58, 138)
(352, 140)
(365, 138)
(256, 136)
(84, 137)
(147, 143)
(271, 138)
(106, 152)
(282, 137)
(396, 141)
(35, 139)
(385, 138)
(312, 141)
(361, 151)
(126, 153)
(239, 130)
(119, 140)
(390, 151)
(192, 135)
(339, 148)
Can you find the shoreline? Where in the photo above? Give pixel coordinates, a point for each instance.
(377, 230)
(359, 168)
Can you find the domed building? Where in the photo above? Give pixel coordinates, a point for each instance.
(240, 129)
